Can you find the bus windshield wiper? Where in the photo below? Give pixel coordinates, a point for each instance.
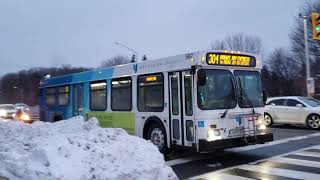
(225, 113)
(244, 94)
(227, 107)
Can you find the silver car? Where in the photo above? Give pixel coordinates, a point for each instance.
(293, 110)
(8, 111)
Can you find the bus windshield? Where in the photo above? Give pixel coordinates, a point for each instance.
(249, 89)
(218, 91)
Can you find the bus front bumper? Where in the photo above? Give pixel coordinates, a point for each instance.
(205, 145)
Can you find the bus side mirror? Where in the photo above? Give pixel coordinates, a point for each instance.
(264, 96)
(202, 77)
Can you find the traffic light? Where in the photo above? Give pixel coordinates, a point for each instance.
(316, 26)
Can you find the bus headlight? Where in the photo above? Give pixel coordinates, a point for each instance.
(260, 120)
(262, 127)
(213, 134)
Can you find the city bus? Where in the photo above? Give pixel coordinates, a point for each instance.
(204, 100)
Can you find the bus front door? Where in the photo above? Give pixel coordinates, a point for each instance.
(77, 99)
(181, 108)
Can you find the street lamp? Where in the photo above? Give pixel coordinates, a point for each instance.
(306, 51)
(134, 52)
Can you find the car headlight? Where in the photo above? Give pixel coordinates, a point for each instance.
(25, 117)
(3, 112)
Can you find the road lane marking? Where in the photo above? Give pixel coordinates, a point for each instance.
(306, 153)
(247, 148)
(313, 150)
(255, 174)
(280, 172)
(307, 158)
(280, 167)
(238, 149)
(289, 166)
(296, 161)
(182, 160)
(220, 177)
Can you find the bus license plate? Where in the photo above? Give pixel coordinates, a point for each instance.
(239, 130)
(236, 132)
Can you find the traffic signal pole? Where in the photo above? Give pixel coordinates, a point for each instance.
(306, 51)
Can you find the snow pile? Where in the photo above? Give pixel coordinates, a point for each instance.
(77, 149)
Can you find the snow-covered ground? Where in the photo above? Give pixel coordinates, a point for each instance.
(76, 149)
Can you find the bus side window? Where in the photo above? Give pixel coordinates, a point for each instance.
(98, 95)
(121, 94)
(63, 95)
(151, 93)
(50, 94)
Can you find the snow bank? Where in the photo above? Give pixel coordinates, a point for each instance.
(77, 149)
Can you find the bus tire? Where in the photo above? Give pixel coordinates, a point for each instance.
(57, 118)
(156, 133)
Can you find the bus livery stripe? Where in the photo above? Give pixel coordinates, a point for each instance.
(124, 120)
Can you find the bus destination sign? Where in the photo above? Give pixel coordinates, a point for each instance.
(225, 59)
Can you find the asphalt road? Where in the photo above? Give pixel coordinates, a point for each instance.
(287, 139)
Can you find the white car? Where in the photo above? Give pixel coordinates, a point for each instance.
(8, 111)
(293, 110)
(23, 107)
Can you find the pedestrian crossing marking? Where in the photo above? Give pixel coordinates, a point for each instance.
(307, 153)
(281, 172)
(256, 175)
(313, 150)
(297, 162)
(301, 164)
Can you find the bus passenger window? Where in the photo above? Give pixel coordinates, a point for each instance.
(63, 95)
(151, 93)
(50, 96)
(121, 94)
(98, 96)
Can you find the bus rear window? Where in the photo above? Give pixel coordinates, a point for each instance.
(98, 96)
(150, 93)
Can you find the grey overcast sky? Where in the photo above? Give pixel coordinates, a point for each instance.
(36, 33)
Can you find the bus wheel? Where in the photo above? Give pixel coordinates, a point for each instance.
(57, 118)
(157, 135)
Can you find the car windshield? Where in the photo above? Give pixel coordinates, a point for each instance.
(249, 89)
(311, 102)
(7, 107)
(218, 92)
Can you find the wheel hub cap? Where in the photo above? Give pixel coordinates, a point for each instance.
(157, 138)
(314, 122)
(267, 119)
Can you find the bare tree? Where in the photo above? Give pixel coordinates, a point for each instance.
(23, 86)
(297, 39)
(240, 42)
(116, 60)
(281, 63)
(282, 74)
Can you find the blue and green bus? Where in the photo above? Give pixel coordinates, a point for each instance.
(202, 100)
